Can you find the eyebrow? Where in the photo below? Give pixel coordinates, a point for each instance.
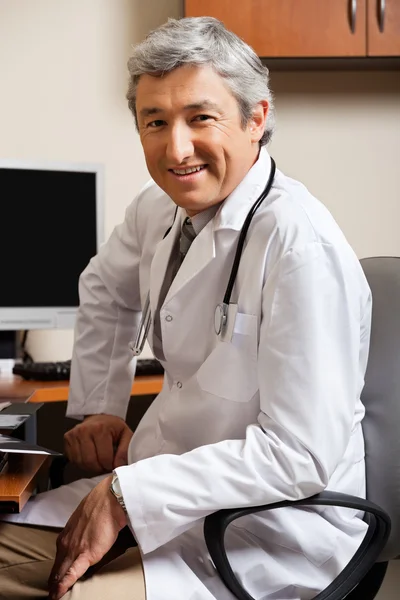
(202, 105)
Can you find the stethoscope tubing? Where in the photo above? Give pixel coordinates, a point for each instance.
(221, 311)
(244, 230)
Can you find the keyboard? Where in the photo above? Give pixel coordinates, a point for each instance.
(149, 366)
(61, 370)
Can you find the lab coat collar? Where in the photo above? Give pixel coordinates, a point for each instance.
(161, 259)
(201, 252)
(199, 255)
(235, 208)
(230, 215)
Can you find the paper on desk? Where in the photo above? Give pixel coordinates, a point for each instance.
(4, 405)
(10, 422)
(15, 446)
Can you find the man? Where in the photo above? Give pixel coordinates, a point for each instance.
(265, 410)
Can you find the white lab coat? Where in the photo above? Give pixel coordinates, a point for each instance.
(270, 412)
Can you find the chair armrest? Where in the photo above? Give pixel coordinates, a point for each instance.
(374, 541)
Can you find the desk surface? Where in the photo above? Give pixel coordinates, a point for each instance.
(18, 480)
(12, 386)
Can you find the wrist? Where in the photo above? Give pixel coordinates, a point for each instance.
(115, 491)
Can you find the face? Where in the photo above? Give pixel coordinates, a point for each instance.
(195, 146)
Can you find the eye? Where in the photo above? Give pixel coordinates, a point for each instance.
(156, 123)
(200, 118)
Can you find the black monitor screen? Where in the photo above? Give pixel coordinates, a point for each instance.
(47, 235)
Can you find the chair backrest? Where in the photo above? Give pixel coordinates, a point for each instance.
(381, 394)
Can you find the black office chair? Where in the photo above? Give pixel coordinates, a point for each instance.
(363, 576)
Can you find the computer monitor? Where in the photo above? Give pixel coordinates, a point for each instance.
(51, 224)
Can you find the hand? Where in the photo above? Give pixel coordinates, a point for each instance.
(89, 534)
(99, 444)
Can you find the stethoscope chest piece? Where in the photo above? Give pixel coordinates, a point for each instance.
(220, 317)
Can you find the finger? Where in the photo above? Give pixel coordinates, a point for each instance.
(70, 449)
(76, 570)
(63, 561)
(88, 455)
(121, 455)
(74, 452)
(60, 559)
(54, 576)
(105, 451)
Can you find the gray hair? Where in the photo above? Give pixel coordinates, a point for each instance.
(204, 41)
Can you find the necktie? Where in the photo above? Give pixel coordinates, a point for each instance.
(187, 236)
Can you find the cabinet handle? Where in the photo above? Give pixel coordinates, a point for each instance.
(381, 15)
(353, 15)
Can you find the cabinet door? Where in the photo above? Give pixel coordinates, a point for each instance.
(292, 28)
(383, 28)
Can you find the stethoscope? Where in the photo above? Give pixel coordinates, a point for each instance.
(221, 310)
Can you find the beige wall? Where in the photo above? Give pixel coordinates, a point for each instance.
(63, 80)
(63, 83)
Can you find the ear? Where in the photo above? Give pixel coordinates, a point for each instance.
(257, 121)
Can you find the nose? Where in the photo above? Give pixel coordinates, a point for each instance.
(179, 144)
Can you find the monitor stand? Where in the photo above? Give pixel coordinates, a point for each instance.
(9, 350)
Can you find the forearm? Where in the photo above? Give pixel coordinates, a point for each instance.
(108, 315)
(167, 494)
(101, 379)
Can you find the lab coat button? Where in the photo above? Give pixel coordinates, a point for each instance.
(168, 318)
(179, 384)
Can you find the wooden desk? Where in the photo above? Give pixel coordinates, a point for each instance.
(18, 480)
(12, 386)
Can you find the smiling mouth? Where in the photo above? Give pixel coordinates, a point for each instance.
(188, 170)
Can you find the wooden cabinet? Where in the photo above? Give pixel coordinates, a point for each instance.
(291, 28)
(383, 28)
(309, 28)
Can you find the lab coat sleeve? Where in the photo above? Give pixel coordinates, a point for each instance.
(108, 314)
(308, 381)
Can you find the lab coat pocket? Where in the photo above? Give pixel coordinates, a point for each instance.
(230, 371)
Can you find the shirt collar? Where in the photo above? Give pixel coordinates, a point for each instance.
(234, 209)
(200, 220)
(231, 212)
